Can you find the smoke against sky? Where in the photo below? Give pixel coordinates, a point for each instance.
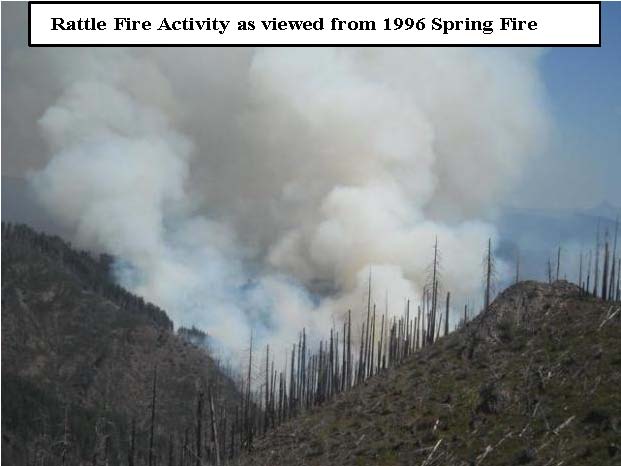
(254, 189)
(236, 203)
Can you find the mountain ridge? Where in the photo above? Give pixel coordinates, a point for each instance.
(532, 381)
(79, 354)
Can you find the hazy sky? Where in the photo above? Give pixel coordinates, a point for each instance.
(582, 163)
(583, 85)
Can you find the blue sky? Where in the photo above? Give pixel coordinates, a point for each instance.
(582, 166)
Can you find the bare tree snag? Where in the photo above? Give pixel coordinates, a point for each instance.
(214, 431)
(446, 320)
(152, 428)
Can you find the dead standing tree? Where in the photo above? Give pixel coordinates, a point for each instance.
(214, 431)
(446, 319)
(614, 271)
(152, 427)
(199, 428)
(267, 389)
(605, 269)
(580, 284)
(131, 454)
(596, 270)
(517, 265)
(435, 279)
(618, 280)
(489, 274)
(247, 410)
(588, 279)
(365, 355)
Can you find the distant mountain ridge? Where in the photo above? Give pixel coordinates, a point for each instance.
(536, 234)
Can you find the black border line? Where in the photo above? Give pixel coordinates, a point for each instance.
(316, 2)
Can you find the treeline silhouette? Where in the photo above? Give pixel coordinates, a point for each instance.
(94, 274)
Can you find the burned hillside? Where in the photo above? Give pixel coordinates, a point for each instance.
(79, 356)
(532, 381)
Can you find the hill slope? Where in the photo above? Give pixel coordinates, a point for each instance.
(78, 359)
(534, 381)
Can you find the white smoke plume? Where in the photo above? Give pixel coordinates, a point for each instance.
(254, 189)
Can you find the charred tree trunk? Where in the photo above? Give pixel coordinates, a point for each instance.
(152, 428)
(580, 284)
(596, 270)
(614, 271)
(517, 267)
(349, 368)
(588, 280)
(488, 275)
(267, 389)
(605, 270)
(380, 347)
(446, 319)
(292, 388)
(131, 455)
(360, 356)
(344, 362)
(372, 344)
(199, 428)
(214, 431)
(247, 413)
(171, 452)
(619, 280)
(365, 356)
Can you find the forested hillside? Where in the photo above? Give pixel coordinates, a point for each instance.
(83, 361)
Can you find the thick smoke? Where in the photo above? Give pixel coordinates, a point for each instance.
(254, 189)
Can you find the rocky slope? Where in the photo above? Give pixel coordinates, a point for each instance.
(78, 360)
(533, 381)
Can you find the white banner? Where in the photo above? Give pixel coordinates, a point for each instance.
(325, 23)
